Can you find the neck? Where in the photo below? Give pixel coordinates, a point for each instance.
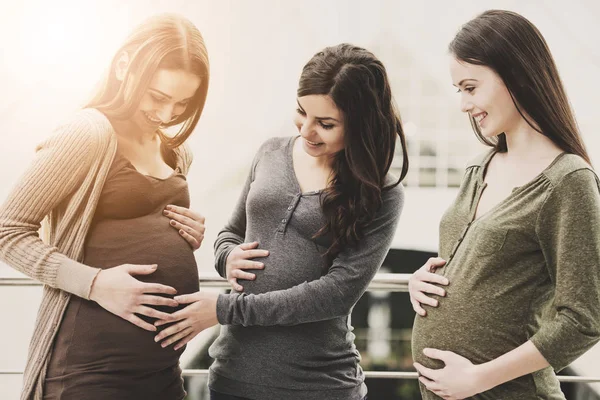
(130, 132)
(523, 143)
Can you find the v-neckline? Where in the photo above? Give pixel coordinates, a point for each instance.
(481, 185)
(173, 173)
(292, 170)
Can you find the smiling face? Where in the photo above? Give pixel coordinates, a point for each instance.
(485, 97)
(320, 124)
(167, 97)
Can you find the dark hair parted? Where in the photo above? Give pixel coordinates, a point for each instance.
(165, 41)
(515, 49)
(357, 83)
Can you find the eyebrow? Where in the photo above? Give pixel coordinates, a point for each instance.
(463, 81)
(166, 95)
(319, 118)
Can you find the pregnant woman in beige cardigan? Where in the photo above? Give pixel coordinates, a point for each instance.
(111, 184)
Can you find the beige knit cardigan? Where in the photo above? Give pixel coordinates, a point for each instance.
(63, 184)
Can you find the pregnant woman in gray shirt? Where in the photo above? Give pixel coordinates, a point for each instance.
(316, 217)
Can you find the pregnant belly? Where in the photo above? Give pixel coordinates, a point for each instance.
(479, 328)
(99, 340)
(146, 240)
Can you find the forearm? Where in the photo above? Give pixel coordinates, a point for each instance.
(523, 360)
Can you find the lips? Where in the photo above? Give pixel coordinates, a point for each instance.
(314, 144)
(150, 120)
(480, 117)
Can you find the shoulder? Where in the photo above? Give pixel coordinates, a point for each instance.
(274, 144)
(567, 168)
(85, 131)
(481, 159)
(393, 195)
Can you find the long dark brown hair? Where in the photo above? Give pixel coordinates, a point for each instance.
(357, 83)
(166, 41)
(515, 49)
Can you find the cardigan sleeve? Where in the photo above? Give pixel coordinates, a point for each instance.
(568, 229)
(60, 166)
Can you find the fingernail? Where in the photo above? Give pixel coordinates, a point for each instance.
(172, 222)
(181, 231)
(169, 207)
(163, 345)
(156, 339)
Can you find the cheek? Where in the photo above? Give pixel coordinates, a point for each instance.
(298, 121)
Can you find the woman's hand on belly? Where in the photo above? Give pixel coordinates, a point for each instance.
(459, 379)
(117, 291)
(189, 224)
(239, 259)
(421, 282)
(198, 315)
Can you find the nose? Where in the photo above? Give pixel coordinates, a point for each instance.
(465, 104)
(165, 113)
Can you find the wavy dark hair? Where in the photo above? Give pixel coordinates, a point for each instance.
(357, 82)
(515, 49)
(164, 41)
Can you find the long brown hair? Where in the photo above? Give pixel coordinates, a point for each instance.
(515, 49)
(357, 83)
(165, 41)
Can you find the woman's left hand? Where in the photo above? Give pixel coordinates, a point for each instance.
(199, 314)
(189, 224)
(459, 379)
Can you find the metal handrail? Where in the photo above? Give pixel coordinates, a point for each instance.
(368, 374)
(383, 281)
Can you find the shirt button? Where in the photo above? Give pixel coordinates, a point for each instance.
(290, 207)
(283, 221)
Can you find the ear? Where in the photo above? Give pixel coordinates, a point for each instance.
(121, 66)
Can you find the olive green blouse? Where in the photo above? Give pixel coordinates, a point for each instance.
(529, 269)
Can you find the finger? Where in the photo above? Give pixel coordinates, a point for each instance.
(157, 288)
(428, 373)
(239, 274)
(195, 243)
(187, 298)
(192, 231)
(429, 288)
(247, 264)
(137, 269)
(176, 337)
(134, 319)
(430, 385)
(249, 245)
(171, 330)
(418, 309)
(435, 263)
(433, 278)
(255, 253)
(421, 298)
(181, 219)
(184, 341)
(158, 301)
(235, 285)
(187, 212)
(438, 354)
(153, 313)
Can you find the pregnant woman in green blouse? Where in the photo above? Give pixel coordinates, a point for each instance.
(514, 295)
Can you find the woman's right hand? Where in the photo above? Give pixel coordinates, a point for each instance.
(117, 291)
(421, 282)
(239, 260)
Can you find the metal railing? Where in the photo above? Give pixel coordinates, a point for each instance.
(382, 281)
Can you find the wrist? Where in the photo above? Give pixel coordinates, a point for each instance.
(94, 286)
(486, 377)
